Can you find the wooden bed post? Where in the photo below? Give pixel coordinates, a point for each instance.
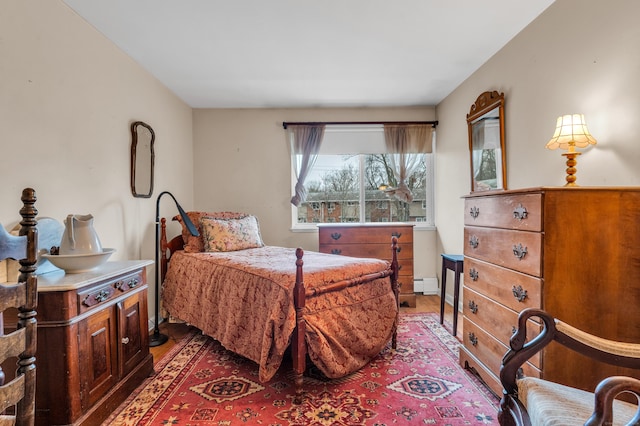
(298, 344)
(395, 287)
(25, 409)
(163, 248)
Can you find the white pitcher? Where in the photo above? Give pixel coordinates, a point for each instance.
(79, 237)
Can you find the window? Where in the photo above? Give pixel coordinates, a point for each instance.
(348, 180)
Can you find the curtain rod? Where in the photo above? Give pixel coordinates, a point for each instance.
(285, 124)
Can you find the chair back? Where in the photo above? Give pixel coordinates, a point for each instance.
(18, 338)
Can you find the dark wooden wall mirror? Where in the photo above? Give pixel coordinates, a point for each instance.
(487, 142)
(142, 158)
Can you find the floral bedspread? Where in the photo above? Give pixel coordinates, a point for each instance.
(244, 299)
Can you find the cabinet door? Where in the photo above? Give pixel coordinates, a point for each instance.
(99, 366)
(133, 338)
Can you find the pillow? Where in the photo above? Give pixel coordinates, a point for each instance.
(196, 244)
(230, 234)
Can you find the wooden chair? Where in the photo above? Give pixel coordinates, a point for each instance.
(17, 397)
(533, 401)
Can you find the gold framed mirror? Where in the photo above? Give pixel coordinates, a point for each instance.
(487, 143)
(142, 159)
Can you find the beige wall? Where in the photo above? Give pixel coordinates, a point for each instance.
(67, 98)
(579, 56)
(69, 95)
(242, 163)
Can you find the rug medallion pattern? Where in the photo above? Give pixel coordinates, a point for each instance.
(199, 383)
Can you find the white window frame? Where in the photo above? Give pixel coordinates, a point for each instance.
(429, 218)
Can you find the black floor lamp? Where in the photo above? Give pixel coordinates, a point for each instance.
(157, 338)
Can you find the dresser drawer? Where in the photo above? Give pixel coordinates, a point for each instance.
(518, 250)
(365, 234)
(406, 283)
(510, 288)
(97, 296)
(405, 267)
(488, 350)
(519, 211)
(497, 320)
(377, 251)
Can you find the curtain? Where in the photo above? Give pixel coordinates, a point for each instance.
(476, 150)
(305, 141)
(405, 144)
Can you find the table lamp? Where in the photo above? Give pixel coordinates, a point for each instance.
(571, 133)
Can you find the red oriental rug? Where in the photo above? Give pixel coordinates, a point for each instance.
(200, 383)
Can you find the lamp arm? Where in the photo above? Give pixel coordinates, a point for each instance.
(185, 218)
(157, 338)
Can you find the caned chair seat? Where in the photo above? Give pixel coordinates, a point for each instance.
(550, 403)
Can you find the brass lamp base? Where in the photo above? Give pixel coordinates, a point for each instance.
(571, 167)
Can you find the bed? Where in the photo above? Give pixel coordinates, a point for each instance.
(256, 300)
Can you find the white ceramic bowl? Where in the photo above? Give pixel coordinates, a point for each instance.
(77, 263)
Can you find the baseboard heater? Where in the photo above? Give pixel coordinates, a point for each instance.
(426, 285)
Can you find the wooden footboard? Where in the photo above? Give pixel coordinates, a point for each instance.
(300, 295)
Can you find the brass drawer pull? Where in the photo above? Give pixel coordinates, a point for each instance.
(473, 274)
(473, 307)
(473, 241)
(519, 293)
(520, 212)
(101, 296)
(336, 251)
(519, 251)
(336, 235)
(93, 299)
(473, 339)
(474, 212)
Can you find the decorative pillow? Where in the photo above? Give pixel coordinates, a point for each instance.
(196, 244)
(230, 234)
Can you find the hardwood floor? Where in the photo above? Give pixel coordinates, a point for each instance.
(176, 332)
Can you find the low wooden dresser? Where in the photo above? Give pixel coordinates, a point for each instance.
(374, 241)
(93, 342)
(574, 252)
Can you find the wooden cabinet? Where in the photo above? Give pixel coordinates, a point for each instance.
(374, 241)
(93, 342)
(574, 252)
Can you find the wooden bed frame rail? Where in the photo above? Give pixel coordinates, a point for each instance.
(300, 294)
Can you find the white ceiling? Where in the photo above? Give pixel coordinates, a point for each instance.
(304, 53)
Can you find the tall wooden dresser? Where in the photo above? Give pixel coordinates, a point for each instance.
(574, 252)
(374, 241)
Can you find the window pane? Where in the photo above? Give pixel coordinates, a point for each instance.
(333, 187)
(380, 204)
